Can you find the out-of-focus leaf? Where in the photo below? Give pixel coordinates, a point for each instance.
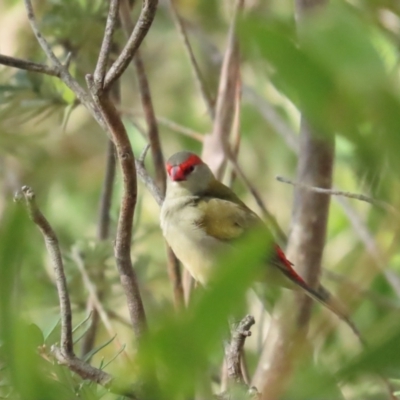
(182, 344)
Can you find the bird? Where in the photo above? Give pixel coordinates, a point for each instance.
(201, 218)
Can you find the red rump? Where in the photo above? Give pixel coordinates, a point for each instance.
(281, 255)
(179, 172)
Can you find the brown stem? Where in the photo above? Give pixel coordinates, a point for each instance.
(128, 203)
(173, 266)
(53, 249)
(106, 45)
(65, 353)
(233, 351)
(146, 17)
(216, 145)
(192, 59)
(28, 65)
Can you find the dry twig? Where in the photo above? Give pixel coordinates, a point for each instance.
(198, 76)
(105, 50)
(28, 65)
(233, 351)
(334, 192)
(128, 203)
(146, 17)
(65, 353)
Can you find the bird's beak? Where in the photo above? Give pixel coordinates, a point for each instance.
(176, 173)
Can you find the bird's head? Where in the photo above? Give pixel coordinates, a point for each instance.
(187, 170)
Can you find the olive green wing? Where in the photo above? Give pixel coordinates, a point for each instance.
(225, 220)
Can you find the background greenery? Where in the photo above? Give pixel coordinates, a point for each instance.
(345, 78)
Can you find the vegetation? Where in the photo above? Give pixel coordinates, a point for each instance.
(314, 99)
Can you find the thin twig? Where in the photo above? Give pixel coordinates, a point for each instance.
(28, 65)
(181, 129)
(272, 117)
(334, 192)
(270, 219)
(184, 130)
(128, 202)
(236, 129)
(216, 144)
(147, 102)
(192, 59)
(91, 288)
(101, 66)
(65, 353)
(147, 179)
(53, 249)
(64, 74)
(233, 351)
(152, 127)
(138, 34)
(103, 226)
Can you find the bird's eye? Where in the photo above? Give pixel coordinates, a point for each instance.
(190, 169)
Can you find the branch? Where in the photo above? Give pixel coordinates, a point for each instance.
(128, 203)
(65, 353)
(234, 350)
(100, 70)
(138, 34)
(28, 65)
(173, 266)
(334, 192)
(198, 76)
(305, 248)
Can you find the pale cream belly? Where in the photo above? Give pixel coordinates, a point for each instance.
(197, 252)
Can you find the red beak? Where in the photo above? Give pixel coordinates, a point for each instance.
(176, 173)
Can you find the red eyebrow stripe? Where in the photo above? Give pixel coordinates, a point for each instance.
(191, 161)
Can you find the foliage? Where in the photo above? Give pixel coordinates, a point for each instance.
(341, 69)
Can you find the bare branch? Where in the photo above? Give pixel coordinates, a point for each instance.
(334, 192)
(28, 65)
(138, 34)
(128, 203)
(305, 249)
(147, 103)
(195, 67)
(100, 70)
(53, 249)
(233, 351)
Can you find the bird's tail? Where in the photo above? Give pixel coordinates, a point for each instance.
(324, 297)
(319, 294)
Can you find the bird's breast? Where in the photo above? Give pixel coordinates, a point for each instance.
(197, 251)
